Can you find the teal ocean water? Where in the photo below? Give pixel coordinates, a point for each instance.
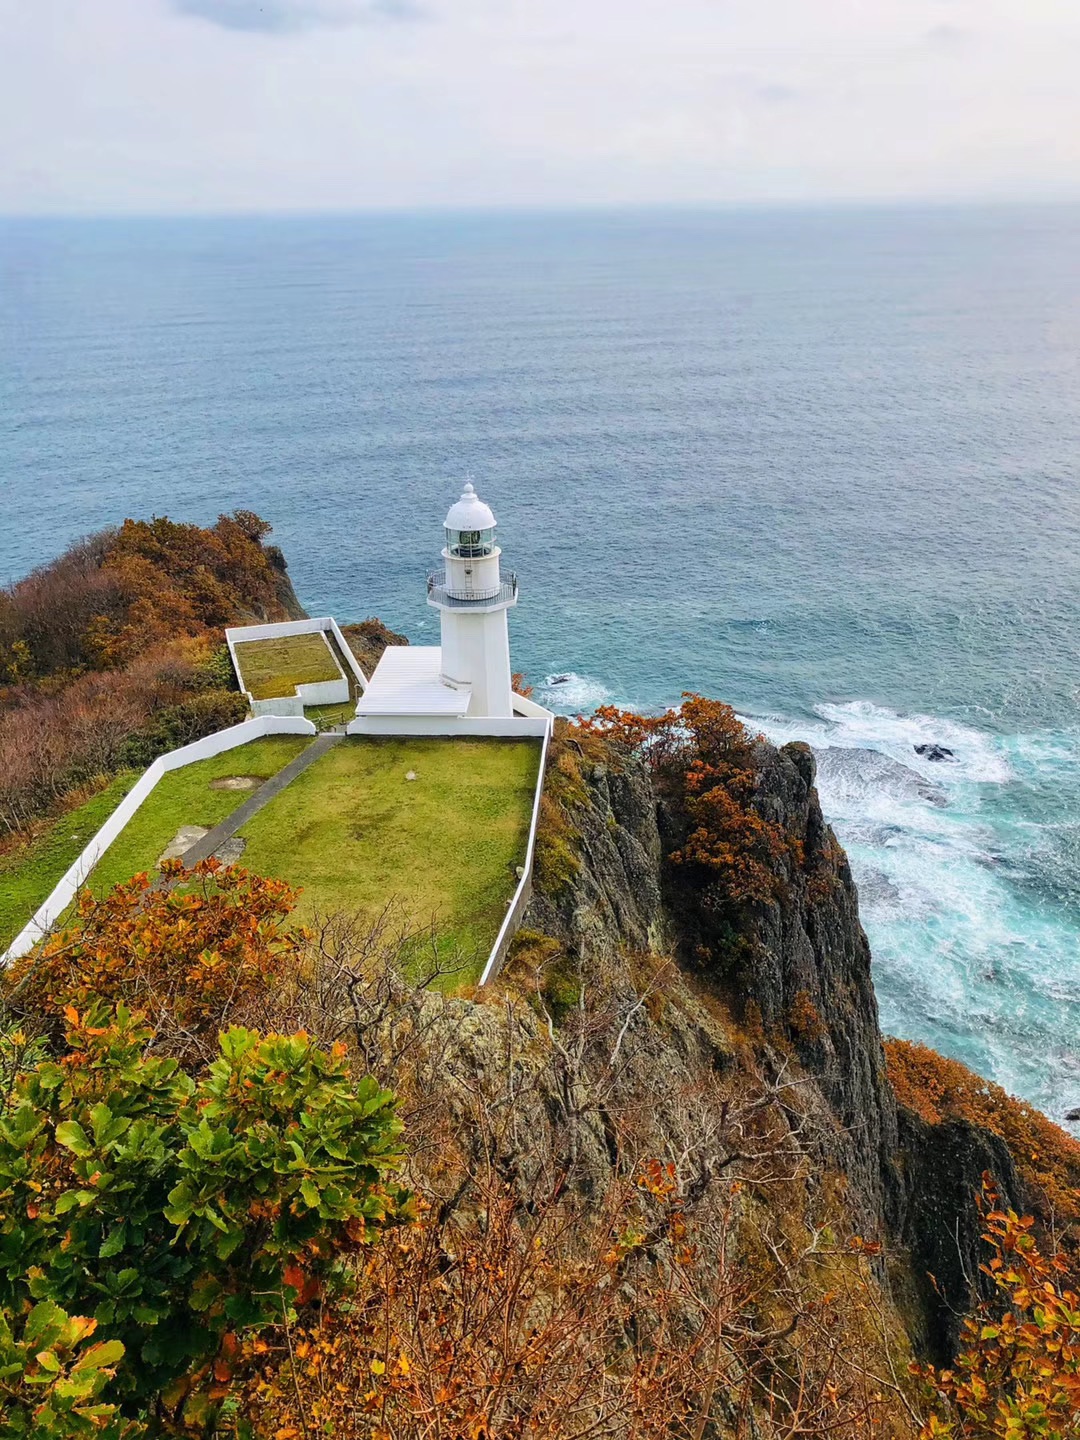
(823, 464)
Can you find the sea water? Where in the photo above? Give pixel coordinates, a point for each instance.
(821, 463)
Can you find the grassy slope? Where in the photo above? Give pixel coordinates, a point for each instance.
(184, 797)
(28, 874)
(355, 833)
(272, 668)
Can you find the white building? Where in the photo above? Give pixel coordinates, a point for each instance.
(463, 685)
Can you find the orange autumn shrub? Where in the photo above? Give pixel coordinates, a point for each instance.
(113, 653)
(180, 579)
(118, 593)
(704, 761)
(1017, 1373)
(202, 950)
(938, 1089)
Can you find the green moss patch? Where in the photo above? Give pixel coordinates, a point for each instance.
(270, 669)
(355, 833)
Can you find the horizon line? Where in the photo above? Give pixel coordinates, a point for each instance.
(569, 208)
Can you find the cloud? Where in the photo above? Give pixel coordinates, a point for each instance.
(949, 38)
(773, 94)
(282, 17)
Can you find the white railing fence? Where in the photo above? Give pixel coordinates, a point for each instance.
(75, 877)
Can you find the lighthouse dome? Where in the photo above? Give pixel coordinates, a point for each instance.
(469, 513)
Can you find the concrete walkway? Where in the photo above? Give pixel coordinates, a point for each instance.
(267, 791)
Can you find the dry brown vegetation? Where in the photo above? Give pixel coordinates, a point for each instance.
(938, 1089)
(110, 655)
(572, 1272)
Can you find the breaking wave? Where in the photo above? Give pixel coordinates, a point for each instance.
(568, 693)
(968, 869)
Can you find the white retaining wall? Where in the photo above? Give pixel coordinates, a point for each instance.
(350, 658)
(523, 893)
(66, 889)
(524, 706)
(464, 727)
(283, 705)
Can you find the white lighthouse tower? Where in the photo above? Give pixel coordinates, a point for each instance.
(462, 686)
(472, 596)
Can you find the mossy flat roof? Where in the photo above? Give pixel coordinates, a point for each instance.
(271, 669)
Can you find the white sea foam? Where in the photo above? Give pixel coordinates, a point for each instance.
(968, 953)
(568, 693)
(977, 755)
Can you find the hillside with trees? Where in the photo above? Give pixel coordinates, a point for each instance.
(662, 1180)
(114, 653)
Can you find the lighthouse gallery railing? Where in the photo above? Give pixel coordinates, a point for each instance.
(438, 593)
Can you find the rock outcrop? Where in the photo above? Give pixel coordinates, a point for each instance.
(288, 602)
(937, 1224)
(368, 640)
(794, 976)
(643, 1014)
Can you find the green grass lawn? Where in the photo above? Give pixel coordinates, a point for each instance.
(354, 833)
(184, 797)
(272, 668)
(28, 874)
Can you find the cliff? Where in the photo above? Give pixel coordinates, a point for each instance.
(789, 980)
(642, 1013)
(285, 604)
(786, 981)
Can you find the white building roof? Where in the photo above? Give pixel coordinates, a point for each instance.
(469, 513)
(407, 681)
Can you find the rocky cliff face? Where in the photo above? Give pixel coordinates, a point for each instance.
(286, 597)
(798, 969)
(794, 978)
(642, 1015)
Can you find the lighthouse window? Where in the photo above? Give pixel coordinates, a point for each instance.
(470, 544)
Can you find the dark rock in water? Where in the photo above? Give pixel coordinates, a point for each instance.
(559, 680)
(848, 768)
(1073, 1114)
(934, 752)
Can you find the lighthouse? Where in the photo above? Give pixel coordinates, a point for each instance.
(472, 596)
(461, 686)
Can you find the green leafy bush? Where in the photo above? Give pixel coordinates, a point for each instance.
(51, 1381)
(181, 1214)
(177, 725)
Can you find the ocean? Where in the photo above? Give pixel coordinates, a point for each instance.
(820, 463)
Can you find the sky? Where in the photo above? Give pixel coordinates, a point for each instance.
(194, 106)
